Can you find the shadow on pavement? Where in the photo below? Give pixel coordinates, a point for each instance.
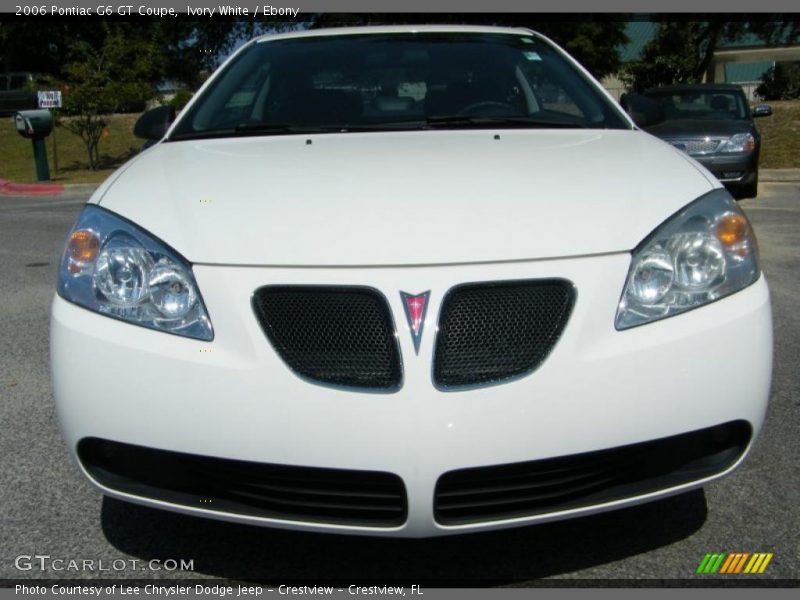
(242, 552)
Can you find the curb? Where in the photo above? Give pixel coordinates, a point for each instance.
(30, 189)
(779, 175)
(81, 188)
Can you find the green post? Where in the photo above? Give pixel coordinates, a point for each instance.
(40, 157)
(55, 148)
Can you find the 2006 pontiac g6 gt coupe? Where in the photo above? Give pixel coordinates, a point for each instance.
(407, 282)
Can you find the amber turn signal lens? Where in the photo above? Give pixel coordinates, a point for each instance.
(83, 246)
(732, 229)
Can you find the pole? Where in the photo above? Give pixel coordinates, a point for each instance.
(40, 157)
(55, 147)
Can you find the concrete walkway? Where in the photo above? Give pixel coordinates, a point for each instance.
(779, 175)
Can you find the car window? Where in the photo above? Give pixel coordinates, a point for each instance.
(17, 82)
(3, 82)
(550, 93)
(388, 80)
(691, 104)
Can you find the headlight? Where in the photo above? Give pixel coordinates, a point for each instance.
(117, 269)
(704, 253)
(741, 142)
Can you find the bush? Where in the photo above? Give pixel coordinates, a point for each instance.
(781, 82)
(181, 99)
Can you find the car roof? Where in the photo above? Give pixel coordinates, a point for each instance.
(697, 87)
(334, 31)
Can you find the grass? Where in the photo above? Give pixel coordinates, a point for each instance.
(780, 147)
(780, 136)
(16, 152)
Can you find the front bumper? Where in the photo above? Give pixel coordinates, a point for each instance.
(235, 399)
(731, 169)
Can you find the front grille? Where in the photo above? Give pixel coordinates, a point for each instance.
(524, 489)
(367, 498)
(489, 332)
(699, 146)
(342, 336)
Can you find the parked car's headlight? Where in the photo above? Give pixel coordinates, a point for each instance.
(115, 268)
(741, 142)
(704, 253)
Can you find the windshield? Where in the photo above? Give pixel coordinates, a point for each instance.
(396, 81)
(693, 104)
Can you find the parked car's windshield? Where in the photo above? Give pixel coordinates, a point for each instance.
(398, 80)
(17, 82)
(696, 104)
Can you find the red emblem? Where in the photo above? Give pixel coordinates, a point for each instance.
(416, 306)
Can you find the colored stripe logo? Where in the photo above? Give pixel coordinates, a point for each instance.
(734, 563)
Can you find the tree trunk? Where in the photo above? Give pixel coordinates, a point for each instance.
(714, 29)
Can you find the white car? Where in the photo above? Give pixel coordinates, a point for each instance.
(407, 282)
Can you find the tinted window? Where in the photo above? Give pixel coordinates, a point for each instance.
(712, 104)
(3, 82)
(18, 82)
(390, 80)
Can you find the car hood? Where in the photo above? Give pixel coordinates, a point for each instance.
(405, 198)
(699, 127)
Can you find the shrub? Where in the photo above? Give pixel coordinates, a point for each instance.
(781, 82)
(181, 99)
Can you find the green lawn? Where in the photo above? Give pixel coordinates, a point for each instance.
(780, 133)
(16, 152)
(780, 150)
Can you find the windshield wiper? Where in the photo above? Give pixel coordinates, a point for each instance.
(244, 129)
(457, 121)
(277, 128)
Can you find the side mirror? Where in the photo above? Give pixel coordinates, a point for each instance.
(153, 124)
(644, 111)
(762, 110)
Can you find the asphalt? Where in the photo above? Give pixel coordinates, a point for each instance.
(46, 507)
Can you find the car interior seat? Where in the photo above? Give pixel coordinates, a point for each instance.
(720, 103)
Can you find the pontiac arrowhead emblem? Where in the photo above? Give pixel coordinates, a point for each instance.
(415, 305)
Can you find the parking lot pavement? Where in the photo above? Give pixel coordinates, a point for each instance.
(47, 508)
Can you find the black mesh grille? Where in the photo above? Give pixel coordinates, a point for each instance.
(336, 335)
(370, 498)
(490, 332)
(530, 488)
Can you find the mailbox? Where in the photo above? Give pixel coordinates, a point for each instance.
(34, 123)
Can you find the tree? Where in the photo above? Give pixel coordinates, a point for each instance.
(781, 82)
(776, 30)
(106, 80)
(681, 52)
(192, 49)
(188, 49)
(40, 44)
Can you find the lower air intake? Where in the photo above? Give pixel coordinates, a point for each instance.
(367, 498)
(543, 486)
